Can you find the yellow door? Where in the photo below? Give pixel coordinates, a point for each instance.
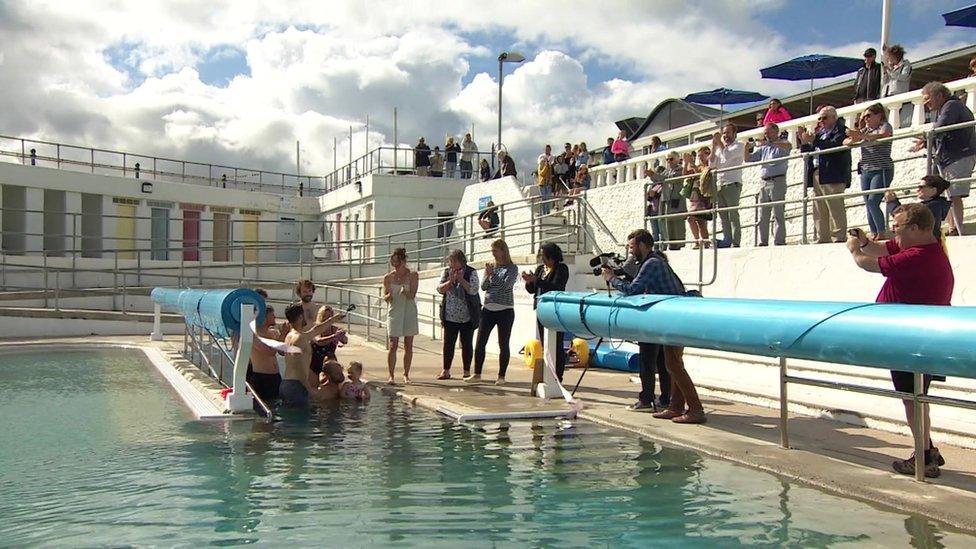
(221, 236)
(250, 237)
(125, 231)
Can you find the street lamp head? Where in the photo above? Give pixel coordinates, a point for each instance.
(511, 57)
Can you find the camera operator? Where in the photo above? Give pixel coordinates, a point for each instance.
(657, 277)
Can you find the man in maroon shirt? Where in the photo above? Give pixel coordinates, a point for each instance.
(918, 272)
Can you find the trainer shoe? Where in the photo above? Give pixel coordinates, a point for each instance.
(907, 467)
(500, 381)
(473, 378)
(642, 406)
(934, 456)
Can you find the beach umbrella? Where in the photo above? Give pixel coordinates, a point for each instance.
(723, 97)
(964, 17)
(813, 66)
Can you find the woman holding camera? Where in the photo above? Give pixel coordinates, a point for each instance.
(498, 310)
(460, 309)
(552, 275)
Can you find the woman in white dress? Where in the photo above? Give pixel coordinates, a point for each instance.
(400, 290)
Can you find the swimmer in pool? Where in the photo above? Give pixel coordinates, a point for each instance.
(299, 380)
(330, 382)
(355, 388)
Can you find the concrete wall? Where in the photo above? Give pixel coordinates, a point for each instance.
(403, 208)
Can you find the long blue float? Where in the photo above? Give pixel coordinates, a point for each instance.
(218, 311)
(916, 338)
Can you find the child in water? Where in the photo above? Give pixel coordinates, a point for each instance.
(355, 388)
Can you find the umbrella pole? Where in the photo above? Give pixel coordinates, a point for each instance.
(811, 96)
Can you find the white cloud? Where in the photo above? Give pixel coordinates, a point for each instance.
(317, 68)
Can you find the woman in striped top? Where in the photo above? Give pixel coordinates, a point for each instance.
(498, 309)
(877, 168)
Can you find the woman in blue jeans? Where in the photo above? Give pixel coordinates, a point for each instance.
(876, 167)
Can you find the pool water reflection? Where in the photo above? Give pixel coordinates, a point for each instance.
(101, 453)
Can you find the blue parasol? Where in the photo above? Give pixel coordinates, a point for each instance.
(724, 96)
(813, 66)
(964, 17)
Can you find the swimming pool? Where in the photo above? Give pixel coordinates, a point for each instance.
(99, 451)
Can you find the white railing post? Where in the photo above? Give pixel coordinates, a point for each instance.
(550, 384)
(157, 333)
(238, 400)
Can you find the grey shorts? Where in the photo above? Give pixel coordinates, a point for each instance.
(960, 169)
(293, 393)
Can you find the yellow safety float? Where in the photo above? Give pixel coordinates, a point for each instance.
(581, 348)
(533, 352)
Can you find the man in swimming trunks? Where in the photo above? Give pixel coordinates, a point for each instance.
(299, 381)
(262, 371)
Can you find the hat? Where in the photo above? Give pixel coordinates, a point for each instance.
(870, 52)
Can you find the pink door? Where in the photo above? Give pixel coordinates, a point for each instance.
(191, 235)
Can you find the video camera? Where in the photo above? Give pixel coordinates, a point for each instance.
(623, 268)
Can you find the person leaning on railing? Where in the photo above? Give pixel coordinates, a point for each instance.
(451, 150)
(484, 170)
(672, 228)
(421, 157)
(954, 150)
(506, 166)
(773, 175)
(917, 272)
(876, 166)
(828, 174)
(468, 150)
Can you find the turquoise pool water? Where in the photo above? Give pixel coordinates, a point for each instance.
(98, 451)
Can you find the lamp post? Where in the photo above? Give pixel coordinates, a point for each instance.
(505, 57)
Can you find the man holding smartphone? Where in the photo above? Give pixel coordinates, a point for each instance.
(917, 272)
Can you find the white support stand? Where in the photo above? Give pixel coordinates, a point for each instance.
(238, 400)
(549, 388)
(157, 333)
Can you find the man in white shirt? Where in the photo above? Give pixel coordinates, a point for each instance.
(728, 153)
(547, 156)
(468, 151)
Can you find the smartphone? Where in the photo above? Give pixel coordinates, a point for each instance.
(351, 307)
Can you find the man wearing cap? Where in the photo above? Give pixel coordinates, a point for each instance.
(867, 85)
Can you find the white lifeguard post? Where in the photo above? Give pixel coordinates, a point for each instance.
(238, 400)
(550, 386)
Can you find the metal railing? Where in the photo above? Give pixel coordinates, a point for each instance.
(803, 204)
(402, 161)
(33, 152)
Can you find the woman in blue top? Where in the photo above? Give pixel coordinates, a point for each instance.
(498, 309)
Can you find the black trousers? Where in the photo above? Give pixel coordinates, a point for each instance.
(489, 319)
(452, 331)
(651, 360)
(465, 170)
(560, 353)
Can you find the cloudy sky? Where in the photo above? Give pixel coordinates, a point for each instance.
(238, 82)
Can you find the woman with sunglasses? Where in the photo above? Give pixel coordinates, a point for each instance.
(877, 167)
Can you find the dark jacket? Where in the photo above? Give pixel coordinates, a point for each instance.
(956, 144)
(491, 214)
(867, 85)
(421, 155)
(506, 168)
(833, 167)
(451, 151)
(556, 281)
(939, 206)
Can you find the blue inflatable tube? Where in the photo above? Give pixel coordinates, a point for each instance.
(216, 310)
(916, 338)
(614, 359)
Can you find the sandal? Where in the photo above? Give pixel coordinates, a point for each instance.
(444, 375)
(667, 414)
(691, 417)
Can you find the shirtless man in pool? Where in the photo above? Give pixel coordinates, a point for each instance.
(299, 380)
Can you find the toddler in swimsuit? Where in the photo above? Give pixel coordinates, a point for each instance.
(355, 388)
